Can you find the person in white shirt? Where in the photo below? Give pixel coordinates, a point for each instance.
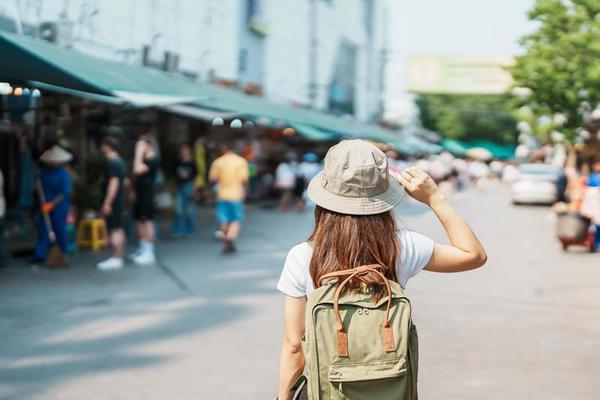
(285, 181)
(354, 226)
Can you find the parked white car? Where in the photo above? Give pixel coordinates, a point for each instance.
(536, 184)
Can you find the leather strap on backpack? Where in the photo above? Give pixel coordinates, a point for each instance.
(342, 335)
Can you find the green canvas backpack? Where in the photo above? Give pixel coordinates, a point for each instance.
(358, 348)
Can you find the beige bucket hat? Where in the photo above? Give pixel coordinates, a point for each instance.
(56, 154)
(356, 180)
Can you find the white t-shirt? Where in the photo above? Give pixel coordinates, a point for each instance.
(285, 176)
(295, 280)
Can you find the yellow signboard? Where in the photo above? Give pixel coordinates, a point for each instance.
(459, 74)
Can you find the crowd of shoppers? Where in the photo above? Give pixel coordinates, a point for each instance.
(128, 195)
(292, 177)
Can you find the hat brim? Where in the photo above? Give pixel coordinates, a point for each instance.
(52, 159)
(56, 155)
(355, 205)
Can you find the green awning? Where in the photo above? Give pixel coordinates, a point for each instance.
(201, 114)
(460, 148)
(229, 100)
(312, 133)
(504, 152)
(455, 147)
(26, 59)
(404, 147)
(423, 146)
(101, 98)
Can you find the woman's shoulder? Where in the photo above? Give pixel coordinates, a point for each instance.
(300, 251)
(415, 252)
(409, 235)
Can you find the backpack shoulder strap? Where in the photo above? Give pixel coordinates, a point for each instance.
(358, 270)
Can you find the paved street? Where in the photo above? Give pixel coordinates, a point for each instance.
(526, 326)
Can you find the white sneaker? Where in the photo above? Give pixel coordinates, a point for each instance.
(219, 235)
(145, 258)
(112, 263)
(136, 253)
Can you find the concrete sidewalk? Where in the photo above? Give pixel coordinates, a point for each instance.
(525, 326)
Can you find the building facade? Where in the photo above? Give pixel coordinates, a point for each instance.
(324, 54)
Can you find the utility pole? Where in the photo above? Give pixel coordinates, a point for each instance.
(313, 55)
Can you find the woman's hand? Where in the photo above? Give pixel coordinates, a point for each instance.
(419, 185)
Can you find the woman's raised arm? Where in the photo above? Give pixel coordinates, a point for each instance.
(465, 252)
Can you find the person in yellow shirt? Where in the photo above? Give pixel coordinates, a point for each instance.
(230, 173)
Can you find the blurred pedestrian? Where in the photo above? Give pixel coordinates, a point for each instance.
(496, 168)
(438, 169)
(460, 168)
(2, 213)
(309, 167)
(510, 173)
(145, 169)
(184, 220)
(56, 184)
(200, 159)
(355, 227)
(286, 182)
(114, 202)
(230, 173)
(25, 201)
(250, 151)
(478, 173)
(590, 205)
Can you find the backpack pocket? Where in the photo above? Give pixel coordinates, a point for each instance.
(386, 379)
(367, 371)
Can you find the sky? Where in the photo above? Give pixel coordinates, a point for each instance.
(456, 27)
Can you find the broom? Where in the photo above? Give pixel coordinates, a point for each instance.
(56, 258)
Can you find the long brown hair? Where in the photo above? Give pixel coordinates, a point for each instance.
(343, 241)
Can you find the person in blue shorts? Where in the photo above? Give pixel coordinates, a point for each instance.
(230, 173)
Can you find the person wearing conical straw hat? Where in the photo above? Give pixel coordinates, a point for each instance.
(56, 184)
(354, 226)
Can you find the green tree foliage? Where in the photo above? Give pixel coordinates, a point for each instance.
(561, 62)
(469, 117)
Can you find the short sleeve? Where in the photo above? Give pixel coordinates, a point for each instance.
(112, 169)
(415, 253)
(295, 272)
